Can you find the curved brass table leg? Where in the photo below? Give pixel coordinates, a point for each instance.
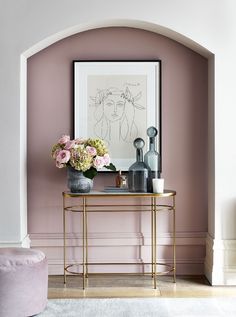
(64, 239)
(84, 233)
(155, 244)
(174, 240)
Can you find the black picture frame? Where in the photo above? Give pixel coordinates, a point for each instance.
(94, 80)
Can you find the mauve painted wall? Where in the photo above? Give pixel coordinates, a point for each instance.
(184, 131)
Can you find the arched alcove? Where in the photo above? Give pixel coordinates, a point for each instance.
(185, 109)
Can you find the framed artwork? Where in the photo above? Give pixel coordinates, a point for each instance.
(117, 101)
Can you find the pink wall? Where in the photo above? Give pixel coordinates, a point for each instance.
(184, 106)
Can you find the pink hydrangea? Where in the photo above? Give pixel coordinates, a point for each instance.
(98, 162)
(91, 150)
(64, 139)
(63, 157)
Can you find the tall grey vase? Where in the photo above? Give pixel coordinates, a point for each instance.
(77, 182)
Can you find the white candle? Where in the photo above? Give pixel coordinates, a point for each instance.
(158, 185)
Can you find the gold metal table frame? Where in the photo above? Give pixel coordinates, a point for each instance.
(153, 207)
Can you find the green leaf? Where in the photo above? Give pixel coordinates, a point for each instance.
(91, 173)
(111, 167)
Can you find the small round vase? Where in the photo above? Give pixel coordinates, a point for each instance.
(77, 182)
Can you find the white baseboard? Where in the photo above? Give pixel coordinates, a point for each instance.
(220, 262)
(111, 247)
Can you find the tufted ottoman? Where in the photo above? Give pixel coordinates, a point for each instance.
(23, 282)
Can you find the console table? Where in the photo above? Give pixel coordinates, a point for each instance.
(82, 204)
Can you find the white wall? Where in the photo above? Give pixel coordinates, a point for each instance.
(210, 23)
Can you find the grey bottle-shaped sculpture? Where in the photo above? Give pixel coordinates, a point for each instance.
(152, 157)
(139, 172)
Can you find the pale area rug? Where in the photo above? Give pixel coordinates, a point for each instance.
(141, 307)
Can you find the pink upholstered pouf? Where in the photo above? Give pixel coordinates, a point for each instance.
(23, 282)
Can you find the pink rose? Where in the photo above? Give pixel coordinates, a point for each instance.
(106, 159)
(54, 155)
(91, 150)
(63, 157)
(64, 139)
(98, 162)
(69, 145)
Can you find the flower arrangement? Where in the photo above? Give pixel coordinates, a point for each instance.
(87, 156)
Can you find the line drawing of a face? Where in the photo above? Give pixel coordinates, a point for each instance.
(114, 108)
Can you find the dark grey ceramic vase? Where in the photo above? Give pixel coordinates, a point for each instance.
(139, 172)
(77, 182)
